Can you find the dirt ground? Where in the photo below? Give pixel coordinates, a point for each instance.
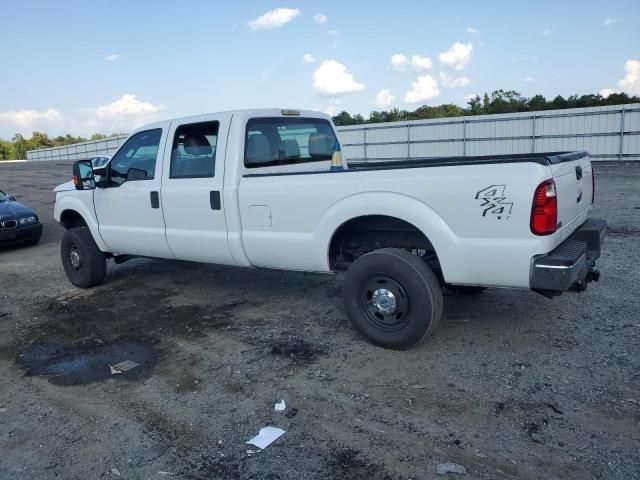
(511, 386)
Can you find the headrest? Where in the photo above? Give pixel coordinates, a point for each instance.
(320, 145)
(258, 149)
(291, 148)
(197, 144)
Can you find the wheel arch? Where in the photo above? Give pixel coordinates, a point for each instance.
(72, 212)
(392, 209)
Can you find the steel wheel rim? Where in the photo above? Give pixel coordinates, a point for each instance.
(384, 302)
(75, 259)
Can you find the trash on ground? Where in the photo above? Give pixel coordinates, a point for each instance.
(115, 471)
(444, 468)
(123, 366)
(3, 409)
(280, 406)
(266, 436)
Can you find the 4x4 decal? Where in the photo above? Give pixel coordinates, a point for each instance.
(494, 202)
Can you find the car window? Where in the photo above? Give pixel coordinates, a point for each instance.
(193, 154)
(136, 160)
(286, 141)
(3, 196)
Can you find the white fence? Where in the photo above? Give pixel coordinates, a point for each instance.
(607, 133)
(79, 151)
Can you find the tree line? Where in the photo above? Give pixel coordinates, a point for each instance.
(498, 101)
(17, 147)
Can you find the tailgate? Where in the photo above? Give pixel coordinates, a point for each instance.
(574, 188)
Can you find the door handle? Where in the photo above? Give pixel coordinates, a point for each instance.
(214, 200)
(578, 173)
(155, 199)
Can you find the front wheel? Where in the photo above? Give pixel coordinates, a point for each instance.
(83, 262)
(392, 298)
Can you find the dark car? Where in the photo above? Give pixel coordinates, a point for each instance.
(18, 223)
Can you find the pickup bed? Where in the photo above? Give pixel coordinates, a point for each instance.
(268, 188)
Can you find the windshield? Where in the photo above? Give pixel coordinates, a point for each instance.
(286, 141)
(3, 196)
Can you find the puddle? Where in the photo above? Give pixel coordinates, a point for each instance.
(87, 362)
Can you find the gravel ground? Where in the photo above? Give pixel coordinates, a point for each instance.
(512, 385)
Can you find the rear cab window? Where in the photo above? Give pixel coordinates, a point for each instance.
(273, 141)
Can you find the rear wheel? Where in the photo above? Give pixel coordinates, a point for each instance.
(392, 298)
(83, 262)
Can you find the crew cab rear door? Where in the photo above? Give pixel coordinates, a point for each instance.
(192, 200)
(574, 188)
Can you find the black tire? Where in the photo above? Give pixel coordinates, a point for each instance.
(416, 298)
(83, 262)
(466, 289)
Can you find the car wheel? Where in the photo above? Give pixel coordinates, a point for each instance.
(392, 298)
(83, 262)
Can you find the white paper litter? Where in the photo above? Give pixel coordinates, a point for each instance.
(266, 436)
(122, 367)
(280, 406)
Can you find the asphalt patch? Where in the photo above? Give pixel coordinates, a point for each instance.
(88, 361)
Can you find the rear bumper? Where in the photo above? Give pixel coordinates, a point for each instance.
(571, 265)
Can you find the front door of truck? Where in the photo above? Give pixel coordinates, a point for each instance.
(192, 183)
(128, 207)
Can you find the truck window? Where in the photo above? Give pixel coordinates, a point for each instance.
(287, 141)
(136, 160)
(193, 154)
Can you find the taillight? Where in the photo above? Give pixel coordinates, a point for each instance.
(593, 186)
(544, 214)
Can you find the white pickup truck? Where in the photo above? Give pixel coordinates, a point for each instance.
(267, 188)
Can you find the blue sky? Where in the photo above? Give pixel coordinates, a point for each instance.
(79, 67)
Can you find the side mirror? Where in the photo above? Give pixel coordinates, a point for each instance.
(83, 177)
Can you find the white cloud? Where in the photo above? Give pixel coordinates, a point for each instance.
(121, 115)
(607, 22)
(631, 81)
(420, 64)
(424, 88)
(472, 30)
(451, 82)
(124, 114)
(333, 78)
(400, 62)
(384, 98)
(112, 57)
(308, 58)
(605, 92)
(334, 32)
(332, 110)
(458, 55)
(545, 33)
(26, 121)
(274, 18)
(529, 79)
(320, 19)
(471, 96)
